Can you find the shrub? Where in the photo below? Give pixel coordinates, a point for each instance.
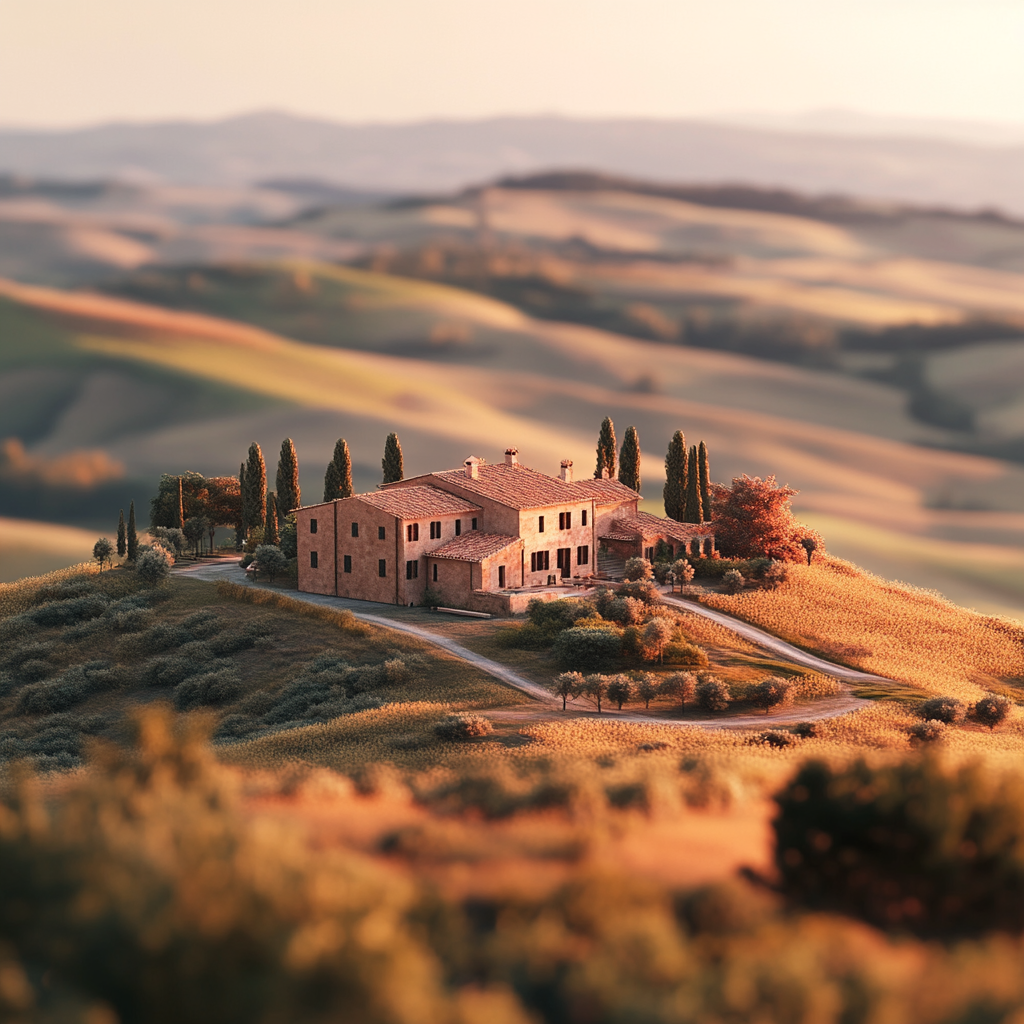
(947, 710)
(620, 690)
(209, 688)
(716, 568)
(681, 653)
(625, 610)
(525, 636)
(658, 633)
(712, 694)
(641, 590)
(909, 845)
(463, 726)
(991, 711)
(554, 616)
(152, 566)
(581, 648)
(734, 581)
(806, 730)
(638, 569)
(69, 611)
(681, 685)
(770, 693)
(928, 732)
(172, 538)
(684, 572)
(271, 560)
(775, 738)
(775, 575)
(72, 687)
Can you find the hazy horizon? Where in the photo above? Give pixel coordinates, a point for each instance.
(397, 61)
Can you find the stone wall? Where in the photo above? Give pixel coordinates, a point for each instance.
(321, 579)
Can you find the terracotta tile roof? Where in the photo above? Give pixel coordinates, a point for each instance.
(473, 546)
(643, 523)
(417, 502)
(521, 488)
(605, 492)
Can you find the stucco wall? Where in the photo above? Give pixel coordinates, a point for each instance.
(321, 579)
(553, 538)
(363, 582)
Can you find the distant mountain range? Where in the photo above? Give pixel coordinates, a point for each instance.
(444, 155)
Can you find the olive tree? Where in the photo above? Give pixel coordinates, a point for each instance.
(270, 560)
(568, 685)
(771, 693)
(103, 551)
(620, 689)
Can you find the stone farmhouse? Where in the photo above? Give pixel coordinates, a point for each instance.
(484, 537)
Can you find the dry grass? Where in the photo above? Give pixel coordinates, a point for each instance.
(911, 635)
(16, 597)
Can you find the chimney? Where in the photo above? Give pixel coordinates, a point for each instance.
(567, 470)
(472, 465)
(511, 456)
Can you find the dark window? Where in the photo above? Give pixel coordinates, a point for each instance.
(435, 531)
(565, 561)
(540, 524)
(412, 531)
(474, 524)
(583, 555)
(312, 526)
(458, 527)
(540, 560)
(435, 572)
(565, 520)
(561, 520)
(381, 533)
(355, 529)
(649, 554)
(501, 576)
(583, 517)
(558, 557)
(382, 567)
(412, 569)
(348, 563)
(313, 560)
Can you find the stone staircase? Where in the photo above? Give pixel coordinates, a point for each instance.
(610, 566)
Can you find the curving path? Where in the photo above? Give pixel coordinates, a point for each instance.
(773, 643)
(827, 708)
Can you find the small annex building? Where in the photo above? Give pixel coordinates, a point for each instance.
(481, 537)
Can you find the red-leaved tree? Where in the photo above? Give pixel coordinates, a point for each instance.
(753, 519)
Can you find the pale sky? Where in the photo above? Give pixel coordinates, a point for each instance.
(76, 62)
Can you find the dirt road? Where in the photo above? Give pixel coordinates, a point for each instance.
(827, 708)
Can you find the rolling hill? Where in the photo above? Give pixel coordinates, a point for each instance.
(505, 378)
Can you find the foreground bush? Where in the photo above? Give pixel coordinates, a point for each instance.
(912, 845)
(947, 710)
(143, 891)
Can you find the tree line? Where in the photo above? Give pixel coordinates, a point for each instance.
(687, 492)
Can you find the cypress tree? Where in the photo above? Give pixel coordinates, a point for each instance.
(288, 494)
(332, 482)
(338, 478)
(392, 461)
(122, 537)
(629, 460)
(132, 539)
(179, 511)
(606, 450)
(694, 509)
(675, 478)
(270, 534)
(704, 472)
(255, 488)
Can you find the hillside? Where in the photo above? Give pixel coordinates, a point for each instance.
(486, 376)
